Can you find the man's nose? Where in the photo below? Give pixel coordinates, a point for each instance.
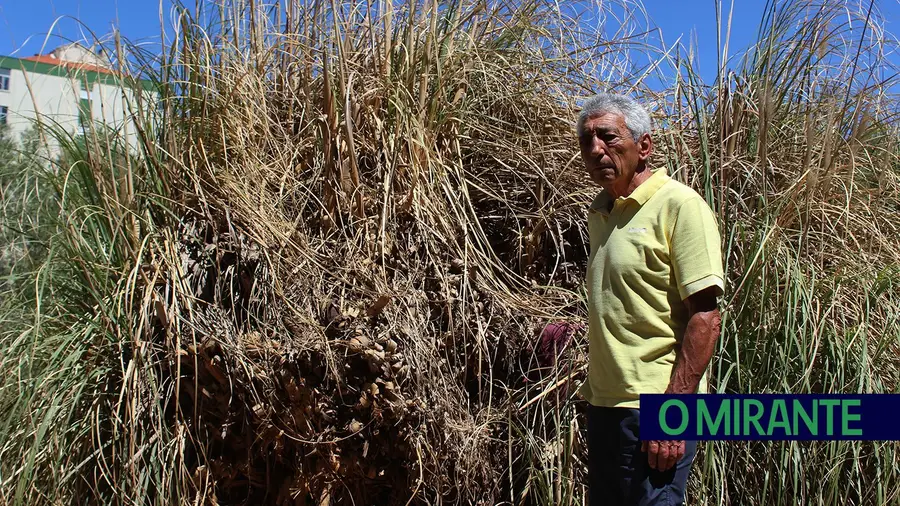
(597, 147)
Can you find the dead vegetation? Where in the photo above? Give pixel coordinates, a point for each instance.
(321, 279)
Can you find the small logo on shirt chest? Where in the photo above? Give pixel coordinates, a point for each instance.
(637, 230)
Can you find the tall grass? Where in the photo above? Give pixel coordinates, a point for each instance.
(811, 248)
(318, 278)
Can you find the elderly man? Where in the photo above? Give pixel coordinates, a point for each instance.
(654, 278)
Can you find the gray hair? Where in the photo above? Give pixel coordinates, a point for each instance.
(636, 117)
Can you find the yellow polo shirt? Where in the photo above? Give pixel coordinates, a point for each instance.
(655, 248)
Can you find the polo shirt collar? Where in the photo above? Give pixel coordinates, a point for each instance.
(641, 194)
(648, 188)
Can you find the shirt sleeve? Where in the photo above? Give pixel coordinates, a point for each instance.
(696, 249)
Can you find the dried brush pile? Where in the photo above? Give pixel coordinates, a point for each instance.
(366, 224)
(359, 273)
(321, 278)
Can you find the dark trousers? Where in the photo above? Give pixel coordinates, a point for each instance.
(618, 471)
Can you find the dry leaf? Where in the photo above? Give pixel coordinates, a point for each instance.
(378, 306)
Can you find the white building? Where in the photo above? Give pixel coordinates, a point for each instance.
(66, 87)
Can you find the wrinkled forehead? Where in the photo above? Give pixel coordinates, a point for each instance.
(605, 121)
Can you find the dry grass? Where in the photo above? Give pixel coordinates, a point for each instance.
(321, 277)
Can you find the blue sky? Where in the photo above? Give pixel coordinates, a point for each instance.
(697, 25)
(25, 23)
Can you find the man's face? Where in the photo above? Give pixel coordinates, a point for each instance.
(610, 153)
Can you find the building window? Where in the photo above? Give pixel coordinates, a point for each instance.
(4, 111)
(4, 79)
(84, 104)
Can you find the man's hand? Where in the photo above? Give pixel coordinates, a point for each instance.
(663, 455)
(691, 360)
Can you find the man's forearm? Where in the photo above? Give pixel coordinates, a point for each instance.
(696, 351)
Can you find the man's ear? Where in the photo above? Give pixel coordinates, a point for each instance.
(645, 147)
